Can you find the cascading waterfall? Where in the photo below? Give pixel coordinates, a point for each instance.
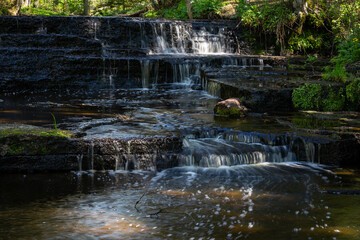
(216, 147)
(210, 152)
(145, 73)
(180, 38)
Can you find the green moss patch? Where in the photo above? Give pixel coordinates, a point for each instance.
(18, 139)
(7, 130)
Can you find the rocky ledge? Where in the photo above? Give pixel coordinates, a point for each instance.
(33, 149)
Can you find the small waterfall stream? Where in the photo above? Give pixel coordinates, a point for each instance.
(173, 171)
(184, 38)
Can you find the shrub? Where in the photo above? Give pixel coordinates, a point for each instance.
(349, 52)
(307, 97)
(353, 94)
(177, 12)
(334, 101)
(5, 5)
(206, 8)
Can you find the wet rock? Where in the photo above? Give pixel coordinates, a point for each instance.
(232, 107)
(26, 149)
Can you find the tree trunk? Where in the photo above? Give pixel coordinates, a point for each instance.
(36, 3)
(86, 7)
(189, 9)
(18, 7)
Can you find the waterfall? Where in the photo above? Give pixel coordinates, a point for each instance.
(217, 152)
(181, 38)
(145, 73)
(91, 155)
(79, 159)
(117, 162)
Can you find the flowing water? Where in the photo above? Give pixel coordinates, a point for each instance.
(236, 179)
(261, 201)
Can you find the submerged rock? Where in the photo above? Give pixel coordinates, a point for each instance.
(232, 107)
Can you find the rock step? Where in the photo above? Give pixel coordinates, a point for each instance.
(258, 72)
(48, 41)
(24, 152)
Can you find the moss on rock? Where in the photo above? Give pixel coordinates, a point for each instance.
(231, 107)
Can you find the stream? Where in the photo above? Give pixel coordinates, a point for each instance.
(111, 78)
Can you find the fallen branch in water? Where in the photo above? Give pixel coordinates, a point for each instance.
(138, 201)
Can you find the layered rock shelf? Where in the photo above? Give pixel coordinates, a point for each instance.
(133, 93)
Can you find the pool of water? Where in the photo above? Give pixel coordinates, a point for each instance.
(261, 201)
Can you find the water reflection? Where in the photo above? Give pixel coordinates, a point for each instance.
(262, 201)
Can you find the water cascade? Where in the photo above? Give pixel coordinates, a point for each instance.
(210, 152)
(153, 73)
(185, 38)
(150, 160)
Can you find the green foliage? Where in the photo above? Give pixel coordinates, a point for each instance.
(177, 12)
(305, 42)
(206, 8)
(335, 73)
(335, 101)
(353, 94)
(42, 12)
(137, 8)
(315, 97)
(153, 14)
(311, 59)
(272, 19)
(55, 125)
(266, 18)
(344, 17)
(324, 25)
(5, 6)
(307, 97)
(349, 52)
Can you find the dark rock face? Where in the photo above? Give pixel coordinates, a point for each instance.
(28, 153)
(82, 52)
(265, 83)
(232, 107)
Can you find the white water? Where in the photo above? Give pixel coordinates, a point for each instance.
(216, 152)
(175, 38)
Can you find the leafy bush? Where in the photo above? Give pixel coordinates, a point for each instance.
(316, 97)
(353, 94)
(5, 5)
(349, 52)
(305, 42)
(267, 19)
(307, 97)
(177, 12)
(153, 14)
(206, 8)
(335, 101)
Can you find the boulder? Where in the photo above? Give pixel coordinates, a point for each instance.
(232, 107)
